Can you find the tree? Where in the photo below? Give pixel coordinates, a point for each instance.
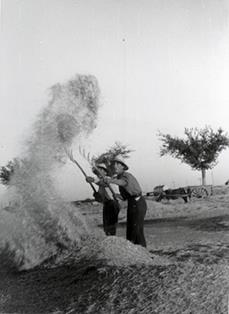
(200, 149)
(6, 172)
(117, 149)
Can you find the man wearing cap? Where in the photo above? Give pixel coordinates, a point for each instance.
(110, 205)
(130, 190)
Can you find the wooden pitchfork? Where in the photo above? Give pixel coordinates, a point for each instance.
(92, 163)
(70, 156)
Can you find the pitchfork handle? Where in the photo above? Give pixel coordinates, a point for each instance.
(84, 173)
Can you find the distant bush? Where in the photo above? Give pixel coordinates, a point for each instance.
(7, 172)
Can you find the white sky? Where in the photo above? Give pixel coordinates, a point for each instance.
(161, 65)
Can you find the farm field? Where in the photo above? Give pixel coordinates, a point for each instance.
(189, 247)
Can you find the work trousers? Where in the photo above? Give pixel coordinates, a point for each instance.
(136, 211)
(110, 216)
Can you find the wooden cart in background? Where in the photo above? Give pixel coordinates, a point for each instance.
(188, 192)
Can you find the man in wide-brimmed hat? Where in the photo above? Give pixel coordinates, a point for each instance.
(130, 190)
(110, 205)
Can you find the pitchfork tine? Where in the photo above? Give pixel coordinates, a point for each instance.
(71, 155)
(88, 157)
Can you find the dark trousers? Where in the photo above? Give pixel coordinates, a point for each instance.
(136, 211)
(110, 216)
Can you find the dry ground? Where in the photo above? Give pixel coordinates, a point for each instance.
(190, 247)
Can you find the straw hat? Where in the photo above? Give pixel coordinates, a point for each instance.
(121, 160)
(102, 166)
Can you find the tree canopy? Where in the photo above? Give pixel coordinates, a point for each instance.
(117, 149)
(200, 149)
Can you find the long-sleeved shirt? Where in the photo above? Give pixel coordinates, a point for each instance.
(104, 190)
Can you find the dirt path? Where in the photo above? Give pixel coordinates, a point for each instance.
(181, 231)
(190, 238)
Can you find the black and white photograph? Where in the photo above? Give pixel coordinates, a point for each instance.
(114, 157)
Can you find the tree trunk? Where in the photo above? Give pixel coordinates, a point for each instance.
(203, 172)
